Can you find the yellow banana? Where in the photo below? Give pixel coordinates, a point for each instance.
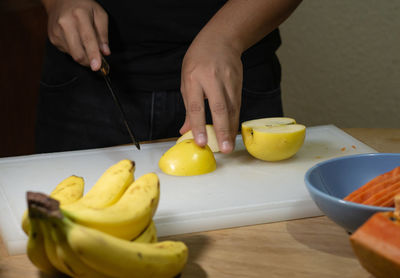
(35, 249)
(128, 217)
(110, 186)
(69, 190)
(121, 258)
(51, 248)
(149, 235)
(67, 257)
(66, 192)
(105, 192)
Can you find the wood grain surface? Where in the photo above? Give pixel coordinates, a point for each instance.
(311, 247)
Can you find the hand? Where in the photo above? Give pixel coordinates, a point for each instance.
(213, 71)
(80, 28)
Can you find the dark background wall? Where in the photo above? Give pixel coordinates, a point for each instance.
(23, 32)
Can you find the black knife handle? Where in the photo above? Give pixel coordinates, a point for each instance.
(104, 68)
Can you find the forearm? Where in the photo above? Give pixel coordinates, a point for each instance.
(241, 23)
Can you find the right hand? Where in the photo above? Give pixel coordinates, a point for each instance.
(212, 69)
(80, 28)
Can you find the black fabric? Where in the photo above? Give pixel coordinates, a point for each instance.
(149, 39)
(77, 112)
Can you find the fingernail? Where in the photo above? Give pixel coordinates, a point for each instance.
(94, 64)
(226, 146)
(201, 139)
(105, 48)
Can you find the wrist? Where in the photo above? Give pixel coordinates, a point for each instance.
(217, 40)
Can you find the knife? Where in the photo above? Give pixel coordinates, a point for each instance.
(104, 71)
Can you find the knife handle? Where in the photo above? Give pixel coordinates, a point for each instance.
(104, 68)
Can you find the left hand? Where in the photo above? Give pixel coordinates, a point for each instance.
(212, 70)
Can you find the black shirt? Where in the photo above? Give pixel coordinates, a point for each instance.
(148, 40)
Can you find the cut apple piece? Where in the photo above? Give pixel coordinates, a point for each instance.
(212, 141)
(271, 122)
(273, 139)
(186, 158)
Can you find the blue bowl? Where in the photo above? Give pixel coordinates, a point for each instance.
(330, 181)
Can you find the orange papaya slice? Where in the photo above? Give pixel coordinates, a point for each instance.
(377, 245)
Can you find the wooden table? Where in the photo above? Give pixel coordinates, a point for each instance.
(311, 247)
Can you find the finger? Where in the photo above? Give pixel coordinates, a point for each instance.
(74, 44)
(234, 98)
(234, 113)
(61, 44)
(185, 127)
(220, 106)
(101, 26)
(62, 48)
(194, 102)
(89, 40)
(57, 38)
(233, 89)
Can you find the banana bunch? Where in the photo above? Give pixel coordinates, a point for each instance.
(105, 192)
(108, 232)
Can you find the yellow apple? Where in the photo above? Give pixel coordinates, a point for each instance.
(273, 139)
(186, 158)
(211, 138)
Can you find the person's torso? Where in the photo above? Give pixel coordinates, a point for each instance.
(148, 39)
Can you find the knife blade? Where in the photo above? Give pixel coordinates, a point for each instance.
(104, 71)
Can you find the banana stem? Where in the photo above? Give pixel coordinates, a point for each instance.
(40, 205)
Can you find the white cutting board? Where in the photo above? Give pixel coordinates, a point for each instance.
(241, 191)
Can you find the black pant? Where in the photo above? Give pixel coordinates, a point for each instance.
(76, 111)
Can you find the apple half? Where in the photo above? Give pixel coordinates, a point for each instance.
(186, 158)
(212, 141)
(273, 139)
